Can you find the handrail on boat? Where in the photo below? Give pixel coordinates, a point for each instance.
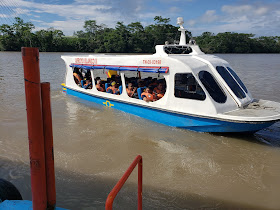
(110, 199)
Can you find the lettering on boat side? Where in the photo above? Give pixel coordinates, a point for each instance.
(108, 103)
(86, 60)
(151, 61)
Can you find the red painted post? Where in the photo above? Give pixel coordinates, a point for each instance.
(30, 57)
(140, 181)
(48, 136)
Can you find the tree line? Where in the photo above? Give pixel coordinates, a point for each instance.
(131, 38)
(230, 42)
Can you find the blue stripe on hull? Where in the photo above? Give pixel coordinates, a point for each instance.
(174, 119)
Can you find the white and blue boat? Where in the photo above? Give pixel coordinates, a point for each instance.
(201, 92)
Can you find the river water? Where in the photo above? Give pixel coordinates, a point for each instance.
(94, 145)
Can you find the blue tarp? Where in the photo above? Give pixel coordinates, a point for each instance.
(150, 69)
(19, 205)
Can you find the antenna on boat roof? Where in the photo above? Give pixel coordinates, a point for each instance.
(180, 22)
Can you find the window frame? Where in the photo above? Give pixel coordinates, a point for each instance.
(186, 84)
(101, 73)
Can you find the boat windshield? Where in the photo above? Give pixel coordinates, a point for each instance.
(212, 87)
(237, 79)
(231, 82)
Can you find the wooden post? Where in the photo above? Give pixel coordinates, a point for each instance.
(30, 57)
(48, 136)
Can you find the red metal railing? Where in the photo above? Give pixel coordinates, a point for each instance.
(110, 199)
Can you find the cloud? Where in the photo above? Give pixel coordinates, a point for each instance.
(88, 1)
(35, 20)
(209, 16)
(260, 18)
(168, 1)
(236, 9)
(174, 9)
(246, 16)
(3, 15)
(191, 22)
(108, 12)
(66, 14)
(19, 11)
(250, 10)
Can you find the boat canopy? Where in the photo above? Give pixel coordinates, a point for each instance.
(150, 69)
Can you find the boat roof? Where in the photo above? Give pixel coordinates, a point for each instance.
(150, 69)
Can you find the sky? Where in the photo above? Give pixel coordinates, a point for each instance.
(260, 17)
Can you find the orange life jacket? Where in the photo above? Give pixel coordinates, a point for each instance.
(149, 96)
(159, 96)
(114, 89)
(160, 93)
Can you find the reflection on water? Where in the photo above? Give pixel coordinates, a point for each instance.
(94, 145)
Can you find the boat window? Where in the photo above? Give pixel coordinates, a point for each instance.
(82, 78)
(212, 87)
(177, 49)
(108, 81)
(186, 86)
(145, 86)
(231, 82)
(237, 79)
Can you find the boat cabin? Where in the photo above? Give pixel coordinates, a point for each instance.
(179, 86)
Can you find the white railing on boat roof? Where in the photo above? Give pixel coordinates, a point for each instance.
(150, 69)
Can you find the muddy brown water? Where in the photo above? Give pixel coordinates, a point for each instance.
(94, 145)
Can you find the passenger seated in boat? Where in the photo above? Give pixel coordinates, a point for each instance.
(96, 79)
(153, 82)
(99, 86)
(78, 77)
(131, 90)
(147, 95)
(87, 82)
(159, 91)
(141, 83)
(118, 79)
(113, 89)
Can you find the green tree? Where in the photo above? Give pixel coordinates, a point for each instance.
(117, 40)
(206, 41)
(138, 37)
(227, 42)
(128, 38)
(17, 35)
(160, 32)
(91, 27)
(50, 40)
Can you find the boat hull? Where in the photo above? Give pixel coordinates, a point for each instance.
(194, 123)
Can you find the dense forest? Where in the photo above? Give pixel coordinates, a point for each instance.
(131, 38)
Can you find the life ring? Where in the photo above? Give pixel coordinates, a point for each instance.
(8, 191)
